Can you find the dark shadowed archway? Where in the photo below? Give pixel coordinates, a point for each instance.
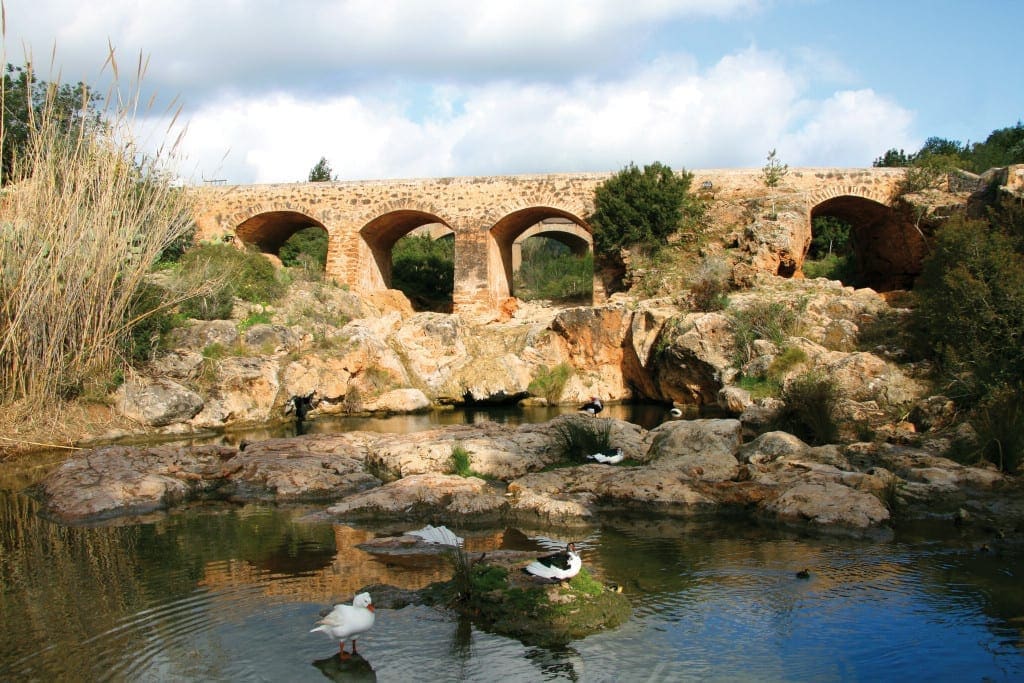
(886, 247)
(270, 229)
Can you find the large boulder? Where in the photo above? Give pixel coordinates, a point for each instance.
(156, 402)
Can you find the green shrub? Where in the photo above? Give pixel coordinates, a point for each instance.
(229, 272)
(970, 312)
(811, 400)
(549, 383)
(580, 437)
(771, 320)
(258, 318)
(460, 462)
(710, 294)
(760, 387)
(640, 207)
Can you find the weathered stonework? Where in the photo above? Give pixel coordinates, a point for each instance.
(486, 214)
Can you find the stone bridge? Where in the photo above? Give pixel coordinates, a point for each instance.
(487, 215)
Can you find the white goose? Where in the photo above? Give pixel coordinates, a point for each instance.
(348, 621)
(559, 566)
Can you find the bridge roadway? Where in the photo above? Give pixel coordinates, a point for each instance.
(364, 219)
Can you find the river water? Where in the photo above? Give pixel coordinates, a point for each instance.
(214, 592)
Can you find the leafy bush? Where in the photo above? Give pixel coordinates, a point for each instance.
(229, 272)
(639, 207)
(970, 312)
(579, 437)
(549, 383)
(810, 409)
(550, 270)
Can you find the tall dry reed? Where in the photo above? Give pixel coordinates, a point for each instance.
(86, 216)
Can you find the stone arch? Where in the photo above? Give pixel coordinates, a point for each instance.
(563, 230)
(504, 233)
(378, 237)
(886, 246)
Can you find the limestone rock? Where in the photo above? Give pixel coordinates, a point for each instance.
(829, 503)
(434, 494)
(704, 449)
(157, 402)
(203, 333)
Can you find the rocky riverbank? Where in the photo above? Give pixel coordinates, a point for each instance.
(682, 467)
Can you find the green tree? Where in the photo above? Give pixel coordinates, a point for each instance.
(27, 101)
(321, 172)
(893, 158)
(970, 315)
(772, 174)
(640, 207)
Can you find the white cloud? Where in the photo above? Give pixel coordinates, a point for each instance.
(669, 111)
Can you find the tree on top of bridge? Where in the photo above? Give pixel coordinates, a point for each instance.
(322, 172)
(639, 207)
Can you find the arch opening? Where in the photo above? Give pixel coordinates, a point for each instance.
(863, 243)
(268, 231)
(541, 234)
(411, 251)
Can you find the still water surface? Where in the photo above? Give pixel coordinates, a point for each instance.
(228, 593)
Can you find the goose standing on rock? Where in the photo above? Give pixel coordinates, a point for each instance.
(593, 406)
(301, 405)
(348, 621)
(558, 566)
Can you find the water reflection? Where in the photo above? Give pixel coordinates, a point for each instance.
(230, 593)
(352, 668)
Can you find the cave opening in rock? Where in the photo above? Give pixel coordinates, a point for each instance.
(863, 243)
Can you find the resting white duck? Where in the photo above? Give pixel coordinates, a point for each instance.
(348, 621)
(558, 566)
(612, 456)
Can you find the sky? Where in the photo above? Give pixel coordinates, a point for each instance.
(386, 89)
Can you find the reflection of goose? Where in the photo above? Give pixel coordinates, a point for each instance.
(612, 456)
(593, 406)
(803, 574)
(351, 668)
(560, 566)
(348, 621)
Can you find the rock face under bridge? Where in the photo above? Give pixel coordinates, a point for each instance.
(486, 215)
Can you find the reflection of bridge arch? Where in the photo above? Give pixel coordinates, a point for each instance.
(504, 233)
(270, 229)
(377, 239)
(887, 247)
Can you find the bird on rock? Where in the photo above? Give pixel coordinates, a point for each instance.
(348, 621)
(593, 406)
(557, 566)
(612, 456)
